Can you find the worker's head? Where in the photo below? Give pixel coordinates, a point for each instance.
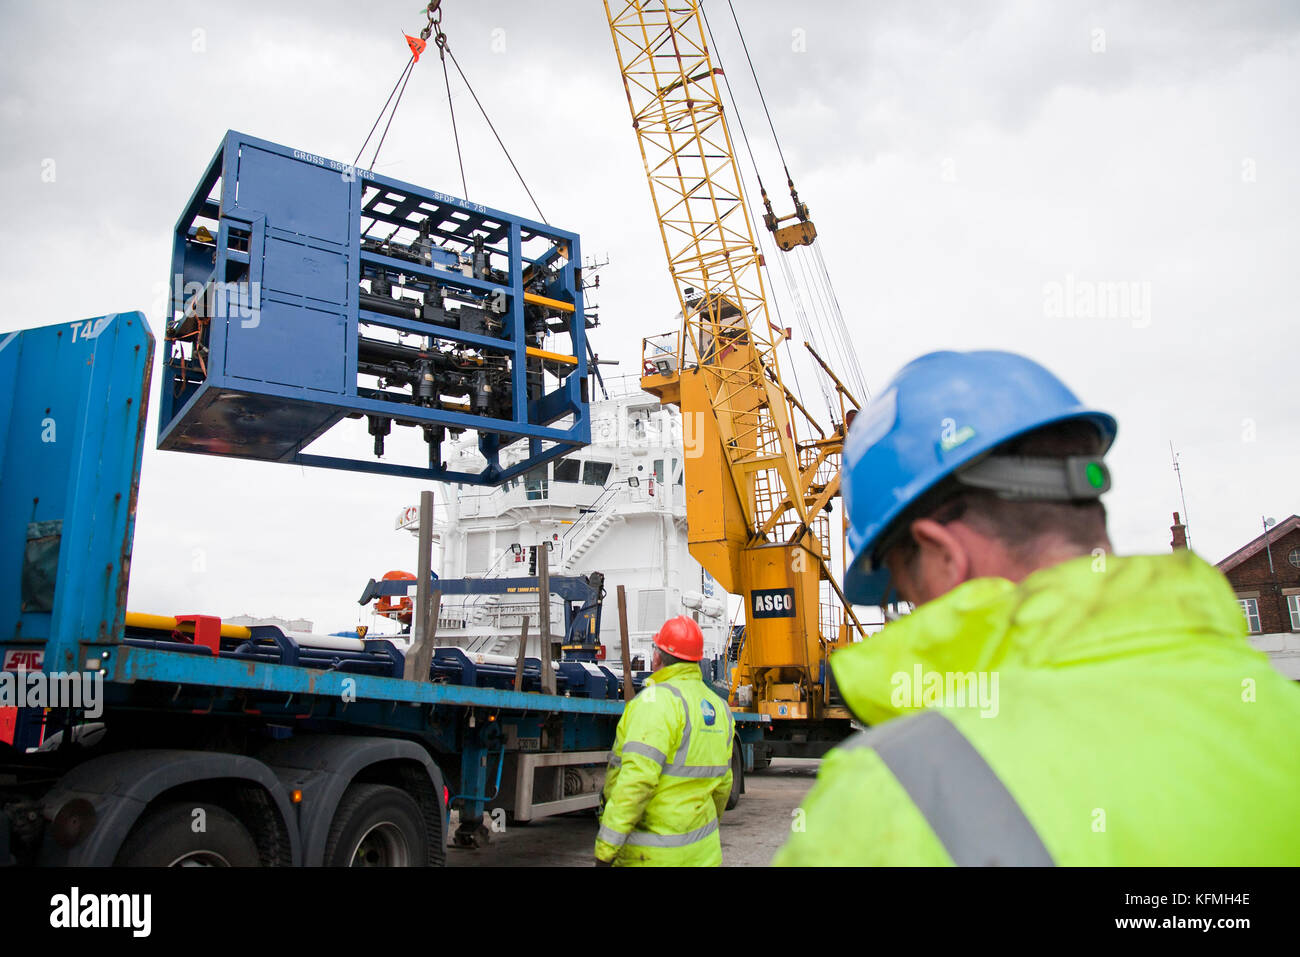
(680, 639)
(971, 465)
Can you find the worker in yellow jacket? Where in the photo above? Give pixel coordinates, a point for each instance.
(1047, 702)
(670, 772)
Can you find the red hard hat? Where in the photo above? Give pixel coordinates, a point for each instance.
(681, 637)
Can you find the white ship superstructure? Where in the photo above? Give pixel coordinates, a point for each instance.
(615, 507)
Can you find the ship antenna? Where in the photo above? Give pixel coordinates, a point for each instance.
(1179, 473)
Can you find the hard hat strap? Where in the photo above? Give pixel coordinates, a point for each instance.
(1011, 477)
(1037, 478)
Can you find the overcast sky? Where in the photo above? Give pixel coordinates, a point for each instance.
(968, 165)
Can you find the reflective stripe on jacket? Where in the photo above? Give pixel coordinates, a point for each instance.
(1113, 714)
(669, 775)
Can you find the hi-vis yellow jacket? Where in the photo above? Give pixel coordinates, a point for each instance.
(1130, 723)
(670, 774)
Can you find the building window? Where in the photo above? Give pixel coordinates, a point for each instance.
(1293, 606)
(1250, 608)
(1293, 557)
(536, 484)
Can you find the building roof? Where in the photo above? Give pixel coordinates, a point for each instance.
(1255, 546)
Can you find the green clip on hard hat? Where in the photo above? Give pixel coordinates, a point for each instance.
(939, 418)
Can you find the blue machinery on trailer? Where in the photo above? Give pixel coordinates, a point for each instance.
(305, 291)
(582, 596)
(291, 316)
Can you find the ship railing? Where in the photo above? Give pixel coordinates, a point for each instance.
(575, 534)
(619, 386)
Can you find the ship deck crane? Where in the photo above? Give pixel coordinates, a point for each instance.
(759, 496)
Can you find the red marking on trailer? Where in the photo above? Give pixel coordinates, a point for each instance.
(24, 659)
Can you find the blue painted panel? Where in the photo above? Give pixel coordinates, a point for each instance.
(293, 265)
(75, 396)
(285, 190)
(317, 340)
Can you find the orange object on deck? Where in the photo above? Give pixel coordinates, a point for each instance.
(396, 607)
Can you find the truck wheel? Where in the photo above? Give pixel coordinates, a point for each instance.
(737, 776)
(166, 838)
(377, 826)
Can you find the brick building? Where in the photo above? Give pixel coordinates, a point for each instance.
(1265, 574)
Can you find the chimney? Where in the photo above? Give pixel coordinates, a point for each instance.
(1179, 531)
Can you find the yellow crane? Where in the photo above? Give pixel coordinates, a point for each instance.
(759, 497)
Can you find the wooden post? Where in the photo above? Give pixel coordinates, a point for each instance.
(523, 651)
(419, 659)
(544, 619)
(628, 691)
(420, 637)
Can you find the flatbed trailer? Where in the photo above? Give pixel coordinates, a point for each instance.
(129, 743)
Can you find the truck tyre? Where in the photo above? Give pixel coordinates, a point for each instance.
(166, 837)
(737, 776)
(377, 826)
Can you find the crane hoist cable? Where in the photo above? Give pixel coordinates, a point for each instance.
(433, 14)
(835, 333)
(790, 286)
(443, 50)
(488, 119)
(854, 368)
(406, 70)
(793, 293)
(754, 73)
(433, 27)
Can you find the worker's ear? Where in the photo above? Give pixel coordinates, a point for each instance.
(942, 561)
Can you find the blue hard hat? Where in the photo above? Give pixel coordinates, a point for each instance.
(941, 411)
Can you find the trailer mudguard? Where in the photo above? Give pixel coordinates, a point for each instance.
(322, 767)
(120, 786)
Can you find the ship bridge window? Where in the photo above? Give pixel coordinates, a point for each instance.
(566, 470)
(659, 471)
(679, 477)
(596, 473)
(536, 484)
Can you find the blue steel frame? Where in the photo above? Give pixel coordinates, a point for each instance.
(284, 346)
